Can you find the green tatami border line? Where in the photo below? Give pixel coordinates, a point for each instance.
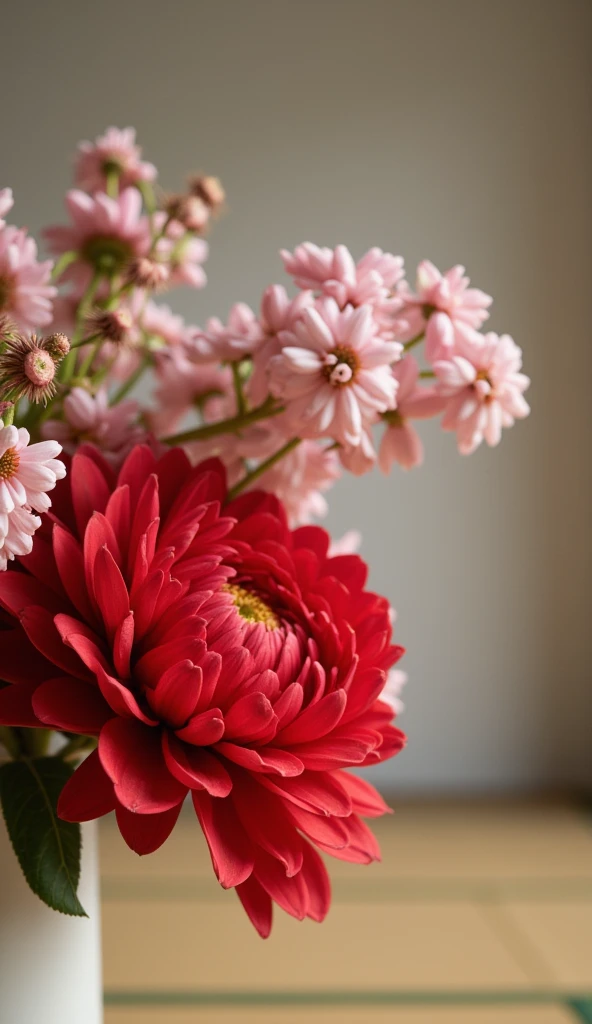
(580, 1002)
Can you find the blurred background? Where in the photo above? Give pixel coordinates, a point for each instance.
(457, 130)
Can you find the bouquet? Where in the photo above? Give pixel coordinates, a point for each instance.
(172, 624)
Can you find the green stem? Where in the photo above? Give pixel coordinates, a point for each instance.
(8, 416)
(414, 341)
(69, 363)
(9, 739)
(85, 341)
(241, 404)
(130, 383)
(229, 426)
(35, 741)
(263, 467)
(90, 358)
(62, 263)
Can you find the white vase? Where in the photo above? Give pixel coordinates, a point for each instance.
(50, 964)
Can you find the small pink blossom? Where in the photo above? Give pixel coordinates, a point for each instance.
(299, 479)
(348, 544)
(443, 306)
(183, 254)
(229, 342)
(401, 442)
(27, 471)
(360, 458)
(25, 291)
(182, 385)
(278, 313)
(334, 272)
(158, 321)
(484, 387)
(106, 233)
(116, 150)
(391, 695)
(6, 203)
(89, 418)
(333, 372)
(16, 534)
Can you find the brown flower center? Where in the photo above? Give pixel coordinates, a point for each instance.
(9, 463)
(252, 607)
(393, 418)
(341, 366)
(107, 253)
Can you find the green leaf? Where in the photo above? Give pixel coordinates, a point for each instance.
(47, 848)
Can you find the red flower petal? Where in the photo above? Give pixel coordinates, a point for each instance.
(203, 730)
(72, 705)
(315, 721)
(257, 904)
(249, 718)
(195, 767)
(90, 491)
(317, 884)
(266, 759)
(230, 847)
(88, 794)
(145, 833)
(131, 754)
(110, 591)
(175, 696)
(16, 707)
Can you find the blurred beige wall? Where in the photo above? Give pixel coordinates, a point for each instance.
(454, 129)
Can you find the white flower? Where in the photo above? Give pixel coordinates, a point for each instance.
(27, 472)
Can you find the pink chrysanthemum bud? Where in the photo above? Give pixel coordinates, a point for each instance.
(147, 273)
(111, 324)
(209, 189)
(191, 211)
(26, 370)
(4, 407)
(58, 346)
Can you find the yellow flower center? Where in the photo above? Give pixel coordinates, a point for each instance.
(251, 607)
(9, 463)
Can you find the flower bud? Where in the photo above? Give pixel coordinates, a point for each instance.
(191, 211)
(57, 345)
(147, 273)
(27, 370)
(209, 189)
(111, 324)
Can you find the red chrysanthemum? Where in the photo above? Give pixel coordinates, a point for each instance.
(211, 649)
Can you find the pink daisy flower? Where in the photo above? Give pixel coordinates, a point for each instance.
(333, 372)
(229, 342)
(27, 472)
(16, 534)
(278, 313)
(299, 479)
(484, 387)
(359, 458)
(106, 233)
(335, 273)
(89, 418)
(401, 442)
(116, 150)
(25, 291)
(443, 306)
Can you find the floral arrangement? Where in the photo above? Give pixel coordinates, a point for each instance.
(170, 621)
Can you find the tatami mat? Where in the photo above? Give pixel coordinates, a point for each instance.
(416, 1015)
(488, 905)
